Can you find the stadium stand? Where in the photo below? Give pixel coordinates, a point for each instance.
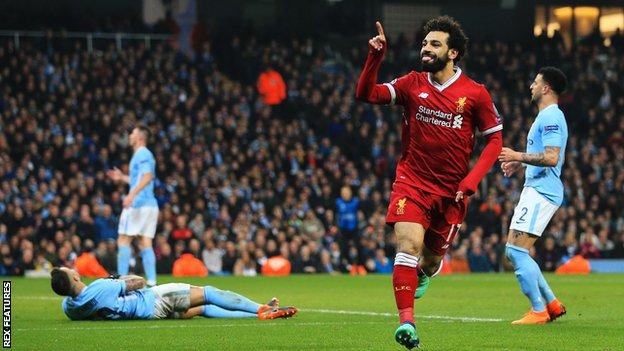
(240, 182)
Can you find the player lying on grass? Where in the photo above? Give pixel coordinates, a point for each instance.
(127, 298)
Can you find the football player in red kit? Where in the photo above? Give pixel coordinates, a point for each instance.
(442, 109)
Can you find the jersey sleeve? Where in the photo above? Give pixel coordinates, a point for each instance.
(145, 161)
(399, 89)
(488, 119)
(551, 130)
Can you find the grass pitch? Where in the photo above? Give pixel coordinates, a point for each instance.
(459, 312)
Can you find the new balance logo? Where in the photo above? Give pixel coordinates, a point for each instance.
(457, 121)
(423, 95)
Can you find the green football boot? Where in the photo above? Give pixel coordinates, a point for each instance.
(406, 335)
(423, 284)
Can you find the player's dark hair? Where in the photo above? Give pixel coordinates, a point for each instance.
(457, 38)
(61, 284)
(143, 129)
(554, 78)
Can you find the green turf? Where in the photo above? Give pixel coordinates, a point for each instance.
(594, 321)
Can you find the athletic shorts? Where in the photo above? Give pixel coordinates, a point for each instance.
(440, 216)
(532, 213)
(171, 300)
(138, 221)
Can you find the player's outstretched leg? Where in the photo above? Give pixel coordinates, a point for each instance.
(235, 302)
(528, 277)
(406, 335)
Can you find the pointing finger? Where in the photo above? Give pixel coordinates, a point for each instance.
(379, 28)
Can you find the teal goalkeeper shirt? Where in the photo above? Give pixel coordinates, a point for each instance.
(548, 129)
(108, 299)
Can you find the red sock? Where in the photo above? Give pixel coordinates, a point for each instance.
(405, 280)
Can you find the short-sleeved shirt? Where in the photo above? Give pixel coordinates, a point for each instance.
(108, 299)
(439, 123)
(143, 162)
(548, 129)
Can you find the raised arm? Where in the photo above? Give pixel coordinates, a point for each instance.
(367, 89)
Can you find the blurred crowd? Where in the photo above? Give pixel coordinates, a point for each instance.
(241, 179)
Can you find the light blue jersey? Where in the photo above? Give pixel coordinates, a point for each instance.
(549, 129)
(108, 299)
(143, 162)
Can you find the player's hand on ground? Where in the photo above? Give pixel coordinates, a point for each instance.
(509, 168)
(115, 174)
(508, 155)
(378, 42)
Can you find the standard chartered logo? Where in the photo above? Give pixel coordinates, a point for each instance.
(457, 121)
(439, 118)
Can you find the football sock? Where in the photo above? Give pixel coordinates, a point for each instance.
(547, 293)
(404, 281)
(149, 265)
(212, 311)
(527, 273)
(123, 259)
(229, 300)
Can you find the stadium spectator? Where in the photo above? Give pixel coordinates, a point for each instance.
(550, 255)
(383, 264)
(106, 224)
(212, 257)
(165, 260)
(189, 266)
(271, 86)
(346, 209)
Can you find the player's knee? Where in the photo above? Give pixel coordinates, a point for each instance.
(408, 242)
(123, 240)
(409, 247)
(145, 243)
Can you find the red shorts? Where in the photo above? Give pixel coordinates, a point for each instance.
(440, 216)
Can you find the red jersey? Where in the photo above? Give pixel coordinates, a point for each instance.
(438, 128)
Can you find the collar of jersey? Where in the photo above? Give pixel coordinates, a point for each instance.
(448, 83)
(549, 106)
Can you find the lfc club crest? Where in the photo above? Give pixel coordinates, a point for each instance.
(461, 102)
(401, 206)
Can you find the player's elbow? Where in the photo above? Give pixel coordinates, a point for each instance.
(360, 94)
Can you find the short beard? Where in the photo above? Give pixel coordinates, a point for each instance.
(436, 66)
(535, 99)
